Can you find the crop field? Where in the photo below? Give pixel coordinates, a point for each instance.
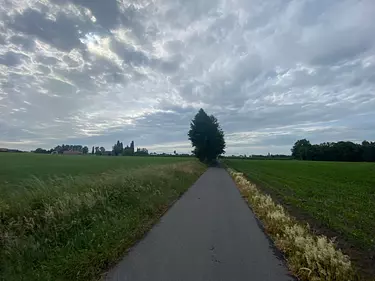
(15, 167)
(72, 217)
(339, 196)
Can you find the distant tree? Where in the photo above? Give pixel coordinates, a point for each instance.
(97, 150)
(206, 137)
(128, 150)
(141, 152)
(92, 151)
(334, 151)
(41, 150)
(368, 151)
(85, 150)
(175, 152)
(58, 149)
(300, 149)
(118, 148)
(102, 150)
(115, 149)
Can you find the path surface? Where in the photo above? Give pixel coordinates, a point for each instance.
(209, 234)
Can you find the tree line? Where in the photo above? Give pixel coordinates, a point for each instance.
(60, 149)
(205, 134)
(118, 149)
(260, 157)
(334, 151)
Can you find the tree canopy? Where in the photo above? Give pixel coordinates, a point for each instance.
(206, 137)
(118, 149)
(334, 151)
(301, 149)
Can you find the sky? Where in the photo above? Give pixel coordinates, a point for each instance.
(92, 72)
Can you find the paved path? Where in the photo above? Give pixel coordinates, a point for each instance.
(209, 234)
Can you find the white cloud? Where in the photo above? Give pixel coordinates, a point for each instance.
(272, 72)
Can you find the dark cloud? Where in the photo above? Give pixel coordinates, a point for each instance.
(46, 60)
(350, 48)
(10, 59)
(23, 42)
(128, 54)
(61, 33)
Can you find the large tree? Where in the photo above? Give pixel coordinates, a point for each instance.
(206, 137)
(301, 149)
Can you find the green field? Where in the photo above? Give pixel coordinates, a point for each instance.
(15, 167)
(72, 217)
(338, 195)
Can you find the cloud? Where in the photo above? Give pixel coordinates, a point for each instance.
(92, 72)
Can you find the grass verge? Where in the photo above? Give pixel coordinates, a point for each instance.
(337, 199)
(74, 228)
(338, 196)
(309, 257)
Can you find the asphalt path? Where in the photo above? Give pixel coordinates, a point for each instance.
(209, 234)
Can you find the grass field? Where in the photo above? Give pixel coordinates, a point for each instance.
(71, 217)
(16, 167)
(337, 195)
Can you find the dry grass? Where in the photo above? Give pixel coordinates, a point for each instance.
(309, 257)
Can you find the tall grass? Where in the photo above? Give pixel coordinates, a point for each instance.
(73, 228)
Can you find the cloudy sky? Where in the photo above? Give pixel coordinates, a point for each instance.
(93, 71)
